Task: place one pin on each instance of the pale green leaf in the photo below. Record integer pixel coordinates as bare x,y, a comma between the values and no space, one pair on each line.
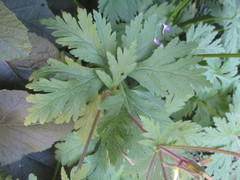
123,65
204,35
222,166
69,149
78,174
62,71
153,131
105,34
79,35
208,103
184,133
162,11
64,175
99,164
87,117
62,100
132,31
235,106
118,10
145,44
187,13
113,104
143,5
140,155
115,132
105,78
230,36
32,177
141,102
168,77
179,133
142,35
101,168
14,43
225,134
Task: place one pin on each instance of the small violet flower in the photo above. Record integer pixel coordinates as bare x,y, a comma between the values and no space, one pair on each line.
165,28
157,42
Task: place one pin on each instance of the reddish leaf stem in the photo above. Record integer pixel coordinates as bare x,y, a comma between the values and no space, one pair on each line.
172,154
137,123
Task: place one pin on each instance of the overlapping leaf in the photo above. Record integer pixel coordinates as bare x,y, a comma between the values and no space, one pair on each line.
115,133
163,10
163,75
16,139
87,117
118,10
75,173
141,102
13,36
69,149
231,11
181,132
204,36
105,34
120,67
85,39
142,35
226,136
62,100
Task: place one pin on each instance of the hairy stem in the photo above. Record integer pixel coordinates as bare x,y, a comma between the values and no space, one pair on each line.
83,155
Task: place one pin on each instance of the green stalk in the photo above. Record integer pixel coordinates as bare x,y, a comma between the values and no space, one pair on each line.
218,55
205,149
179,8
75,3
207,18
205,106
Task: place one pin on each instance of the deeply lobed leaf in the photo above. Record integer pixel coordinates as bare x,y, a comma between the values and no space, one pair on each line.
118,10
85,39
62,100
168,77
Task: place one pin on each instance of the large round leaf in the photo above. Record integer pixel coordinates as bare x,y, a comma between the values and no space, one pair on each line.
16,139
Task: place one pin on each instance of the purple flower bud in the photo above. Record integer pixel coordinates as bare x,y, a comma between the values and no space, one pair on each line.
165,28
157,42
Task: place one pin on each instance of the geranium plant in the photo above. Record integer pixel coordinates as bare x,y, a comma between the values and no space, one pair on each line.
151,87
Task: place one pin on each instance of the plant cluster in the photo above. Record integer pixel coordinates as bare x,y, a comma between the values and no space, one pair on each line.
145,77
